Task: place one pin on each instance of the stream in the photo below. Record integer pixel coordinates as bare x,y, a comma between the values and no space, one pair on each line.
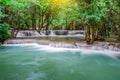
33,62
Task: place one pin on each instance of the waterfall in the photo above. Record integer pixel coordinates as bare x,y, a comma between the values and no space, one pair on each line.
79,45
54,33
27,33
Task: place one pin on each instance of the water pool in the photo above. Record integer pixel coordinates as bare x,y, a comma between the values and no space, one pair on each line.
32,63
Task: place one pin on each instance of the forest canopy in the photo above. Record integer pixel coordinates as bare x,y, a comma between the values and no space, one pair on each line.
98,18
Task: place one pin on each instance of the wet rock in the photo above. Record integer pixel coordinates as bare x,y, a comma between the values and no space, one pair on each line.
42,42
46,32
111,47
61,32
76,32
62,45
106,47
116,49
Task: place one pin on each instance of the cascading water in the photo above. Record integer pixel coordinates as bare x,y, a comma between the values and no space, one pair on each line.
28,33
55,33
109,49
39,59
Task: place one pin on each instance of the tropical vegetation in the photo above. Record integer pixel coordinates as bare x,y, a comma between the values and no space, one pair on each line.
98,18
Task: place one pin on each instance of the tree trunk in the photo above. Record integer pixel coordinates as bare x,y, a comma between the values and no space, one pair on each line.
42,22
90,35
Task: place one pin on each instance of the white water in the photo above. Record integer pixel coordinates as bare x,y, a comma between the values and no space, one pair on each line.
84,51
33,33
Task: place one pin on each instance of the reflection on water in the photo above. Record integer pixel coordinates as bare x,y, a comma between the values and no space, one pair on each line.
38,63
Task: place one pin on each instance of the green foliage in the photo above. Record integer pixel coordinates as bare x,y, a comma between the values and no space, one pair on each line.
61,14
4,32
1,14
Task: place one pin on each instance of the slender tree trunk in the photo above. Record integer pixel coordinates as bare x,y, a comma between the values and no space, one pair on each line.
90,35
66,22
42,22
87,34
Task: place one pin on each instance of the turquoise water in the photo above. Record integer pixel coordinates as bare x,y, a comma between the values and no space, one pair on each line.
32,63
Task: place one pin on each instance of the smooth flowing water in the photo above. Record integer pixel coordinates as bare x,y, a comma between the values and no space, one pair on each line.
37,63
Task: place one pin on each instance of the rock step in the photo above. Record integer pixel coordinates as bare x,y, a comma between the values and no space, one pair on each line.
83,45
